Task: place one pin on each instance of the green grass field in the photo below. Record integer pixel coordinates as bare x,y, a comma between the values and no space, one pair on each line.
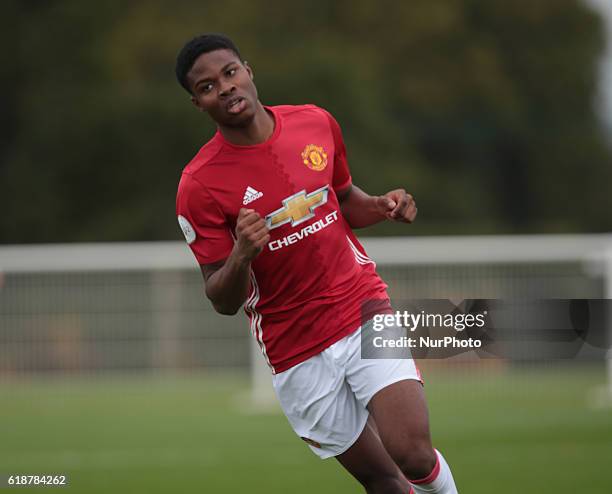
503,432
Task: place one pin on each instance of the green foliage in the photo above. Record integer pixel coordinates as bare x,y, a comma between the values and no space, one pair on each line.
483,110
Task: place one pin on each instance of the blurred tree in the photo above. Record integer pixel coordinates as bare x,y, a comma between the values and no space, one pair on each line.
484,110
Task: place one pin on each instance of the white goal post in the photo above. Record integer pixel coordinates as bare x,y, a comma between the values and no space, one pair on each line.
141,305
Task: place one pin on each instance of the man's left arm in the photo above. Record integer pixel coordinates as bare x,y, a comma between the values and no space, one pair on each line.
361,209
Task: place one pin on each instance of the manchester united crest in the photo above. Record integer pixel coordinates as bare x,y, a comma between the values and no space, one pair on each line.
314,157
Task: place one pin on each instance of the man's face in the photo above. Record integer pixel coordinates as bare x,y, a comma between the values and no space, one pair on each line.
222,86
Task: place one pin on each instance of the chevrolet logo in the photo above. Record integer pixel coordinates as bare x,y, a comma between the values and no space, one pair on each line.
297,208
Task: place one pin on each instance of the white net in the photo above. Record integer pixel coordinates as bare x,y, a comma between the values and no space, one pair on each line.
127,307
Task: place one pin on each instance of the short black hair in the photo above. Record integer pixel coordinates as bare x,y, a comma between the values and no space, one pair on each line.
194,48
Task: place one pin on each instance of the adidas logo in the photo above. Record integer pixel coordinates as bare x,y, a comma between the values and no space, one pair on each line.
250,195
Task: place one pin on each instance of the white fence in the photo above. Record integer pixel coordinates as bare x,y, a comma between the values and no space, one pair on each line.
141,306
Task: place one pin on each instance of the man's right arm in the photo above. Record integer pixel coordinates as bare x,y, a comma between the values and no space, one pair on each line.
227,282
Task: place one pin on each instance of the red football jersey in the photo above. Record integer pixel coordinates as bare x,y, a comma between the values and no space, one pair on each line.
309,282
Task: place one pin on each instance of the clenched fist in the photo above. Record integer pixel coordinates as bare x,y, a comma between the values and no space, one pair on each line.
251,232
397,205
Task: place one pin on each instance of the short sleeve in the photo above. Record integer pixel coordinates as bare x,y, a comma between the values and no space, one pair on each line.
342,176
202,222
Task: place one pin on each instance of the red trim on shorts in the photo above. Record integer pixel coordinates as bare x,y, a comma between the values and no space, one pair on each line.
419,375
411,490
432,476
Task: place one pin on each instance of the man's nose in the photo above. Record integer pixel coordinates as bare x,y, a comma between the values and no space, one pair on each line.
226,88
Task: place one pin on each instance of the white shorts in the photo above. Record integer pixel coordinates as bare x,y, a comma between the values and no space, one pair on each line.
325,397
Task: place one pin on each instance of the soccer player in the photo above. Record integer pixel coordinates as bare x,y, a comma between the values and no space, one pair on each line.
268,206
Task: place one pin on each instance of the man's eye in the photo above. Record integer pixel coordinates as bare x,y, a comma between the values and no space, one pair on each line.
206,88
231,72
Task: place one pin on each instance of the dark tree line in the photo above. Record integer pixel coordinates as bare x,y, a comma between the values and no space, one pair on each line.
484,110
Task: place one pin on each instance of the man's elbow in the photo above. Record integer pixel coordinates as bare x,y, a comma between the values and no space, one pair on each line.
225,310
222,308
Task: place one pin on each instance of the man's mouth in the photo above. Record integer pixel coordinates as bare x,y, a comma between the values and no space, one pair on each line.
236,105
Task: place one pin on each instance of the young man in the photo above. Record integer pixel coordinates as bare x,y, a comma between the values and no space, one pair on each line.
267,207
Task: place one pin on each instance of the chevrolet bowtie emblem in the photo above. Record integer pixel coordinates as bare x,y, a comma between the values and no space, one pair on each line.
297,208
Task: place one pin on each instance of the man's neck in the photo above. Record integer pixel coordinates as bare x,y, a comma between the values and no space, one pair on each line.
258,130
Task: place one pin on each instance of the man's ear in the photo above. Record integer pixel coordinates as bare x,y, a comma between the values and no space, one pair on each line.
248,68
195,103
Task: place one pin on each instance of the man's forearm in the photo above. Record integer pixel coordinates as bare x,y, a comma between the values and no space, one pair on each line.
228,287
361,209
227,282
